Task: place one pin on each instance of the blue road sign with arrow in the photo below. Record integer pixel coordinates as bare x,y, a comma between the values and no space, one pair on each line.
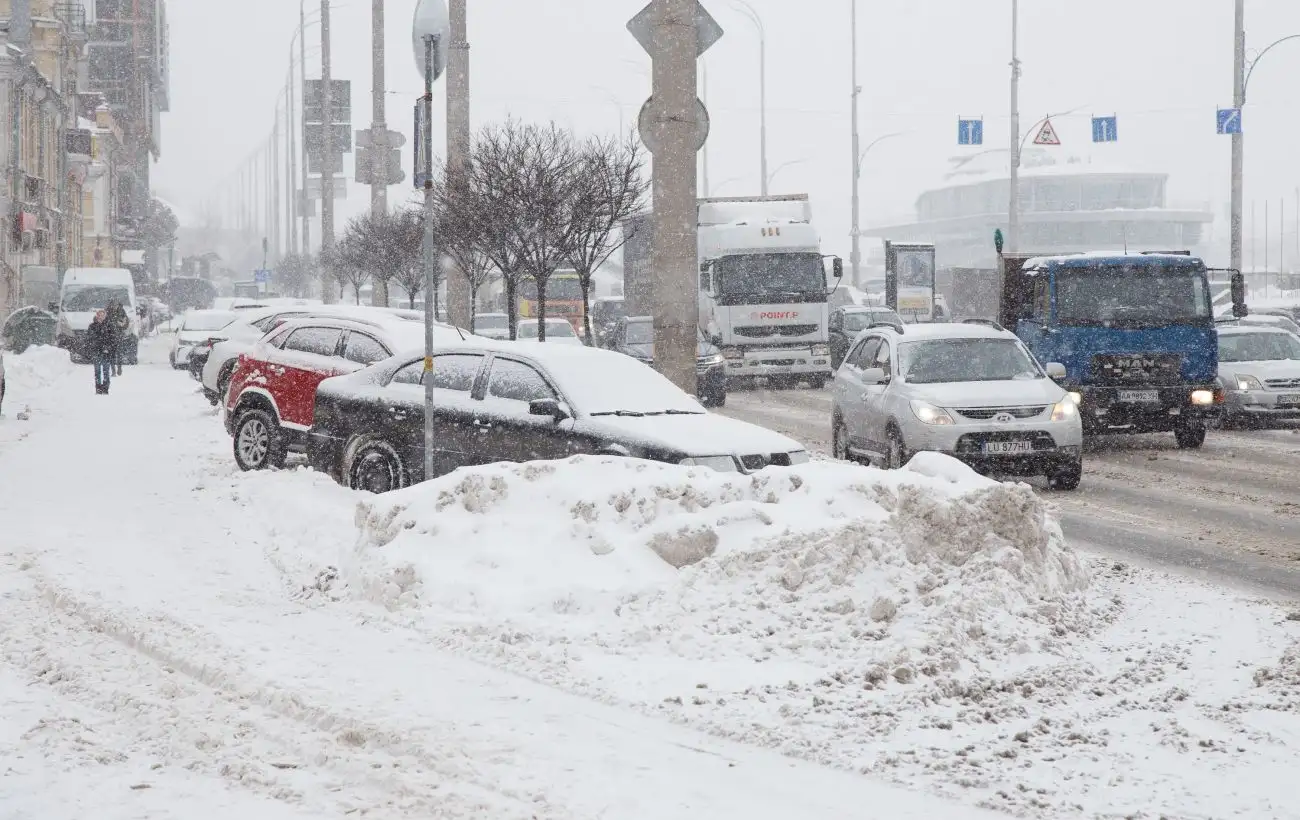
1229,121
1105,129
970,132
262,276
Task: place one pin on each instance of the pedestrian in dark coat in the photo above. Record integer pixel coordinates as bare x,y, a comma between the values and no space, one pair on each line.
122,328
101,348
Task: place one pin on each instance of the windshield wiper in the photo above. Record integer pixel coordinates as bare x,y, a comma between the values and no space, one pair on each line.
682,412
619,413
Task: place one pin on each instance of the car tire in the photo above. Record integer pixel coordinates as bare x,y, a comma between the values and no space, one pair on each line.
258,441
1190,435
223,380
897,455
373,465
840,439
1067,476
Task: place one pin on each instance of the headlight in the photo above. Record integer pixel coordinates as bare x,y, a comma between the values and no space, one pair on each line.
723,464
930,414
1202,397
1243,383
1065,409
821,350
709,361
1076,397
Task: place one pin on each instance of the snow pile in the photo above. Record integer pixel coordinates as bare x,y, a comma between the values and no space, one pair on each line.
788,575
36,368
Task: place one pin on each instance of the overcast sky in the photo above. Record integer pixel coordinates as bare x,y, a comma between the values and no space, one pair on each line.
1162,66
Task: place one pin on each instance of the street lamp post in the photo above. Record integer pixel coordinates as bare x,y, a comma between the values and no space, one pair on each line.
754,18
859,157
1013,204
855,255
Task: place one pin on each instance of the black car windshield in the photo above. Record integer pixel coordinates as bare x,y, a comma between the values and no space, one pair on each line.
771,274
640,333
83,298
966,360
1258,347
853,322
1131,295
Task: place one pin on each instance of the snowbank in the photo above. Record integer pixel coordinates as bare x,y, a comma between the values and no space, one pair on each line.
799,573
36,369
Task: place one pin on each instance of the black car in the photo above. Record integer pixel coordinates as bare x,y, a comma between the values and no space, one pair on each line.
635,335
847,322
496,401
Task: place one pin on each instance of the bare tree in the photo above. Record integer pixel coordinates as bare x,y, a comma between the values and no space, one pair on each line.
351,263
463,235
409,262
491,195
382,244
294,274
613,188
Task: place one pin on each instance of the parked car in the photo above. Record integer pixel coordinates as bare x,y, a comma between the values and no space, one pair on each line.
492,325
1259,368
497,401
1272,320
972,391
635,336
848,321
270,399
196,327
558,331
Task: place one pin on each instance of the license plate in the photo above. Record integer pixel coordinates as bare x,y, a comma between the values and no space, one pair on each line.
1008,448
1139,396
1289,400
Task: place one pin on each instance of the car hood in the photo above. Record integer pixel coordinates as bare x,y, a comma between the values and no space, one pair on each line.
700,434
1278,369
1013,393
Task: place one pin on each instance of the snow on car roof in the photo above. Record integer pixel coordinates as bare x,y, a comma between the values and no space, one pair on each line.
948,330
1256,327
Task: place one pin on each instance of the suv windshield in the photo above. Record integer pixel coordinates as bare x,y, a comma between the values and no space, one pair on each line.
773,273
853,322
966,360
1132,295
84,298
1258,347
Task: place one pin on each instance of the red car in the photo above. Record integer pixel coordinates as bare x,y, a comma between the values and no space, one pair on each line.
272,393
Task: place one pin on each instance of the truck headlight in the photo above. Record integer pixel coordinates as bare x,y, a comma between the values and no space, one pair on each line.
709,361
821,350
1243,383
930,414
1065,409
1202,398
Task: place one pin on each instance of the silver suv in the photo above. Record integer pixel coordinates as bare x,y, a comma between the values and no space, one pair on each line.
970,390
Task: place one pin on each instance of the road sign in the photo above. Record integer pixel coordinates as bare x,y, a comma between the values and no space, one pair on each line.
707,30
262,276
379,166
970,132
340,101
340,188
314,135
431,19
1229,121
648,125
315,165
1047,134
420,142
1105,129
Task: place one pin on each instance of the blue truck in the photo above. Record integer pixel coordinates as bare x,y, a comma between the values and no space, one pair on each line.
1135,332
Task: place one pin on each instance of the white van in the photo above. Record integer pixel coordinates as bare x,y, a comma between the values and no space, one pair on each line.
86,290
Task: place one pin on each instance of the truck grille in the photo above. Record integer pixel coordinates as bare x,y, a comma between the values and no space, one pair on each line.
1136,368
1282,384
983,413
767,331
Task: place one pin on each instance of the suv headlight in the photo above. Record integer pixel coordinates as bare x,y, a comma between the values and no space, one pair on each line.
1248,383
1065,409
821,350
709,361
930,414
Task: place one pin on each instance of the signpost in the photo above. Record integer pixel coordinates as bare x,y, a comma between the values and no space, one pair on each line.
1105,129
1047,134
970,132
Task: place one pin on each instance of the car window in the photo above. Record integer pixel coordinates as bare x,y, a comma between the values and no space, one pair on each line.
322,341
363,349
277,337
518,382
410,374
882,357
864,352
451,371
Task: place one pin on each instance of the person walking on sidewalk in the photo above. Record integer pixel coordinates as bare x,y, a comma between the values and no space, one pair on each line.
101,347
121,329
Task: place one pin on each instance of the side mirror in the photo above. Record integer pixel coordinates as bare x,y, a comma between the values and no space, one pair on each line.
875,375
1056,371
547,407
837,268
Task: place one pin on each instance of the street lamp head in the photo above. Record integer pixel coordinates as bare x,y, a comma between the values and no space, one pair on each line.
431,20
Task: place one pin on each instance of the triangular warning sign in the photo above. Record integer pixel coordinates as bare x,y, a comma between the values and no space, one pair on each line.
1047,135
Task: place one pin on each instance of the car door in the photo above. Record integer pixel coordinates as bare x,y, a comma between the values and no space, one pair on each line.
507,428
875,410
850,390
456,439
309,356
839,341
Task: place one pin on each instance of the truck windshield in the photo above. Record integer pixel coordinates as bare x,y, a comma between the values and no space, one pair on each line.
771,274
1131,295
85,298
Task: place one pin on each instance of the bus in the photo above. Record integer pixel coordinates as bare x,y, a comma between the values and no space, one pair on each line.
563,298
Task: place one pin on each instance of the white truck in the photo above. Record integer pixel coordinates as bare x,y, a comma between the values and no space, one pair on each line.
762,285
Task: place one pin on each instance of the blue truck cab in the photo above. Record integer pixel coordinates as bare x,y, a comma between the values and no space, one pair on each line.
1135,332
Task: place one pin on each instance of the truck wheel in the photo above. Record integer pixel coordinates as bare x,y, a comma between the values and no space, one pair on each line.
1067,476
1191,434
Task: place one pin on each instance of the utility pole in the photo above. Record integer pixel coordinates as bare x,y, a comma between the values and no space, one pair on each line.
458,145
327,157
1238,145
674,243
855,254
1013,204
276,224
431,59
762,89
304,203
378,152
290,171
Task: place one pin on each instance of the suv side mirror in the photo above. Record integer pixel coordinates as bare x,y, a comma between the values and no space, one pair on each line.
1056,371
547,407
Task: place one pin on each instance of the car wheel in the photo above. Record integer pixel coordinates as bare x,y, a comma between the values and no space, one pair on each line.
1067,476
374,466
840,440
258,442
223,380
897,455
1190,435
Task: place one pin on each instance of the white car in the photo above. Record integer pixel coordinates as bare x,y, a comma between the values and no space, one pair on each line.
195,327
492,325
558,331
1271,320
1259,368
970,390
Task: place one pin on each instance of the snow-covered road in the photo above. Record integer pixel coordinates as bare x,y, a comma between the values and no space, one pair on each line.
159,659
